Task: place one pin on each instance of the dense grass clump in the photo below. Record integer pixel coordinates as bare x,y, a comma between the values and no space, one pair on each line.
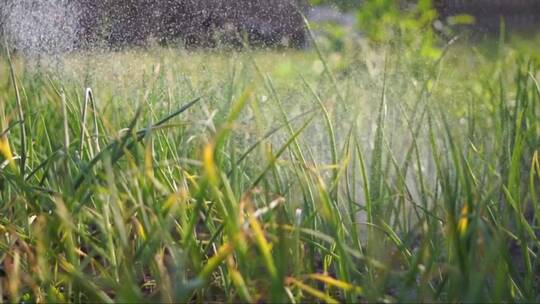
363,175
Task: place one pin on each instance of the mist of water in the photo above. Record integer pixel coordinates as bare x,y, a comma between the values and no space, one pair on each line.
37,27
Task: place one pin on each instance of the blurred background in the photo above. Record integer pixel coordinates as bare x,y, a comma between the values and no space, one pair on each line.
39,26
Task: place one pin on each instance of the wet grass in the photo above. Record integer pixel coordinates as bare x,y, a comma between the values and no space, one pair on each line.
364,175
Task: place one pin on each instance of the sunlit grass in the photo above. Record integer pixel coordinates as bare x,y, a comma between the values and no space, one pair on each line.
369,174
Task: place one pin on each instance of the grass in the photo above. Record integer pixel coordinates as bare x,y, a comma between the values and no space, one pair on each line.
298,176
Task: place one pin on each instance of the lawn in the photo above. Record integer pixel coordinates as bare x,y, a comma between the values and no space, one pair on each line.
368,173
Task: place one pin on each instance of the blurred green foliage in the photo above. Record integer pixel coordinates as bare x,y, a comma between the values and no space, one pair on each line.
402,23
408,23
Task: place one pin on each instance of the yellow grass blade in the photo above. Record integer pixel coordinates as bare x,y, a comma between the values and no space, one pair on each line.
312,291
336,283
238,281
222,253
149,159
5,151
464,220
140,229
209,164
264,246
